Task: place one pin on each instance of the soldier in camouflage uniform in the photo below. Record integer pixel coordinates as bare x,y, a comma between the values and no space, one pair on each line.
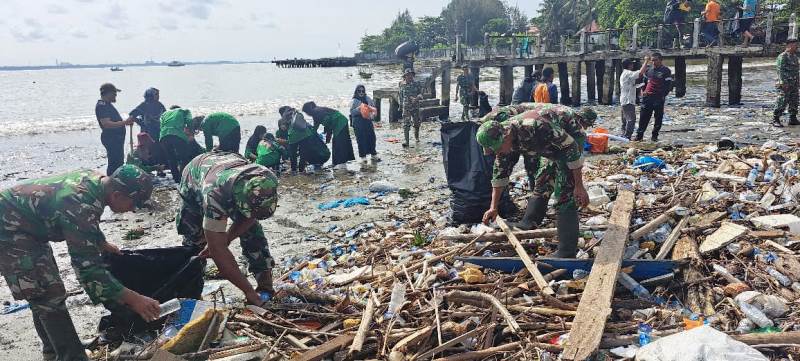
552,132
217,186
788,85
465,90
410,96
67,208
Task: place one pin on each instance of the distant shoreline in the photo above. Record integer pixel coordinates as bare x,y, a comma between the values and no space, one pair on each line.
135,65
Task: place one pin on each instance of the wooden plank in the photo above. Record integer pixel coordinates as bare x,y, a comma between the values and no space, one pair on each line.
320,352
595,305
363,327
727,233
654,224
673,237
452,342
537,276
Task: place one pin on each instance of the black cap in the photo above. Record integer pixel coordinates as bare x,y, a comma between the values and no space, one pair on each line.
108,87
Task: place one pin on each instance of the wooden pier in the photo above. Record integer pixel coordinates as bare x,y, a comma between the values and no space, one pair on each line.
315,63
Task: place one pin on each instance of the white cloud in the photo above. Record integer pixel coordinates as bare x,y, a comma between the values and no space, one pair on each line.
114,17
31,30
79,34
169,24
123,36
56,9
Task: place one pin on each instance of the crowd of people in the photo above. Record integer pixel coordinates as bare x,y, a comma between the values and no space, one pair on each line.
744,12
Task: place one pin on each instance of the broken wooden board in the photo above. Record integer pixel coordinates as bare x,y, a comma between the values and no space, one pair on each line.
666,247
723,177
523,254
320,352
726,233
595,305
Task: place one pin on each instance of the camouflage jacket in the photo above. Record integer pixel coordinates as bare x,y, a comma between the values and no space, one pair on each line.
65,208
788,69
465,83
409,91
211,182
548,130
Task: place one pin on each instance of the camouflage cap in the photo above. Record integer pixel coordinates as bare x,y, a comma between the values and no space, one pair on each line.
588,116
134,183
490,135
257,197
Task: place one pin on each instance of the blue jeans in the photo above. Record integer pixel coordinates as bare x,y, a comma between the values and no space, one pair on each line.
710,33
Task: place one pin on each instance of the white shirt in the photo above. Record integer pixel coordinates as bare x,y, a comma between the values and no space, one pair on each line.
627,85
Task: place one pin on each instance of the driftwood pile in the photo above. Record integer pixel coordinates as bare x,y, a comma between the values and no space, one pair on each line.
388,300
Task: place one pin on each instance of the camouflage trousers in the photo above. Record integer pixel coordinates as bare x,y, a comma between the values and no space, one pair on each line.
254,244
411,115
31,272
788,97
465,98
554,178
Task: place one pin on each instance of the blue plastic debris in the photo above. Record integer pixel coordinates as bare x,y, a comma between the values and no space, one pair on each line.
347,203
648,163
14,307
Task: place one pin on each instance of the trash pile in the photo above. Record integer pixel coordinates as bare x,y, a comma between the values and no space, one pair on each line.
684,251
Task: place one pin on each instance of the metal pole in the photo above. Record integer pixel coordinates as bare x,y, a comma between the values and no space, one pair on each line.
466,32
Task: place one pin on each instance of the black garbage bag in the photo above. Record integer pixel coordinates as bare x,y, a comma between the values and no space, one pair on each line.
159,273
469,174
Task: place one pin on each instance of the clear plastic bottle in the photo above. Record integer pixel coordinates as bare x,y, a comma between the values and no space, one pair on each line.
169,307
755,315
769,175
745,326
397,300
753,175
780,277
633,286
579,274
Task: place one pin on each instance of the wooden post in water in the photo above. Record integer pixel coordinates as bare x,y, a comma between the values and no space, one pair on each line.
506,84
590,79
696,33
734,80
680,77
486,49
617,75
768,30
538,51
714,80
563,44
608,91
446,79
600,71
576,84
563,82
476,74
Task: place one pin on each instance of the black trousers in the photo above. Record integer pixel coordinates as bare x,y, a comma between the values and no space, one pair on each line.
177,153
231,142
115,150
650,106
342,147
365,136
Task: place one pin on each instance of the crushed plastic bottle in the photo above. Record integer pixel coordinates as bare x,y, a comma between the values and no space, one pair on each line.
644,333
745,326
780,277
397,299
733,248
769,175
638,290
169,307
660,234
755,315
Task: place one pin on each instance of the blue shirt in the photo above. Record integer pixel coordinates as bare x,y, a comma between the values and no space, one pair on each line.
553,90
749,8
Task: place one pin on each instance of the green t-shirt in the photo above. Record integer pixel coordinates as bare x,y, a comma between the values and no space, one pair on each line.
269,154
219,124
333,123
173,122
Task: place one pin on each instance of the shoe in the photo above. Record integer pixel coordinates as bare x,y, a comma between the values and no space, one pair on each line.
567,231
375,158
793,119
654,139
638,138
776,122
534,214
406,134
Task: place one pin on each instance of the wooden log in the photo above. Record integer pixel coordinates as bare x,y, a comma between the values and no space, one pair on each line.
480,299
791,337
563,82
590,82
714,80
320,352
680,77
654,224
363,327
734,80
412,340
608,91
501,236
477,355
617,75
595,305
446,80
666,247
599,71
506,84
523,255
454,341
576,84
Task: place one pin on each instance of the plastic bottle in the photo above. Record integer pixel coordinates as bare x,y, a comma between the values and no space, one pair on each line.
397,300
753,175
169,307
755,315
644,333
769,175
633,286
745,326
780,277
579,274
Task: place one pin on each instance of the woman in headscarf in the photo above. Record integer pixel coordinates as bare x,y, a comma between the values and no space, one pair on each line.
148,115
363,127
335,125
302,140
252,143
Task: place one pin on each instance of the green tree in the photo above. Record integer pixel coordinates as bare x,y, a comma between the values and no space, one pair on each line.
478,12
430,32
496,26
518,21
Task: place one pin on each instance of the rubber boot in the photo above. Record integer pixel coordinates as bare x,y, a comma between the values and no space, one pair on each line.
416,134
534,214
56,328
406,132
567,224
264,281
793,119
776,121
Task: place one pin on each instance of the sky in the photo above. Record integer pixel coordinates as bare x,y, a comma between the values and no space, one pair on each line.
41,32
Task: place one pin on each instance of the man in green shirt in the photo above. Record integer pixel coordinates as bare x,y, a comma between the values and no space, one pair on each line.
175,124
67,208
226,128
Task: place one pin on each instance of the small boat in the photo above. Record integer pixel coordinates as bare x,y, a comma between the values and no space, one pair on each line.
116,68
364,71
175,63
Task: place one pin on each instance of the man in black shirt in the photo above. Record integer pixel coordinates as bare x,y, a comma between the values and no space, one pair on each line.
113,135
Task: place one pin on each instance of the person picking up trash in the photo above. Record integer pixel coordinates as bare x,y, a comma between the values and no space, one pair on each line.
550,132
67,208
220,185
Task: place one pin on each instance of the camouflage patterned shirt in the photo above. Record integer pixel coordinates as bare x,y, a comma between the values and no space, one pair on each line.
788,68
409,91
65,208
548,130
212,182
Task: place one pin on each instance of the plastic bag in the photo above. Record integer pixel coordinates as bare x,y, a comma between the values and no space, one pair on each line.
367,112
698,344
647,163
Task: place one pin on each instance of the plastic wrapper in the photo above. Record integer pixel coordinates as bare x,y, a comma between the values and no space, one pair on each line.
698,344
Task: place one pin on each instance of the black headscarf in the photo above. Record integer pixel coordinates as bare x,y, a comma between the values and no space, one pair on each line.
362,98
256,137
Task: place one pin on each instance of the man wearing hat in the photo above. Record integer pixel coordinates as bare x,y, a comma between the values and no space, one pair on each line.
67,208
410,96
552,132
113,135
217,186
788,84
465,90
